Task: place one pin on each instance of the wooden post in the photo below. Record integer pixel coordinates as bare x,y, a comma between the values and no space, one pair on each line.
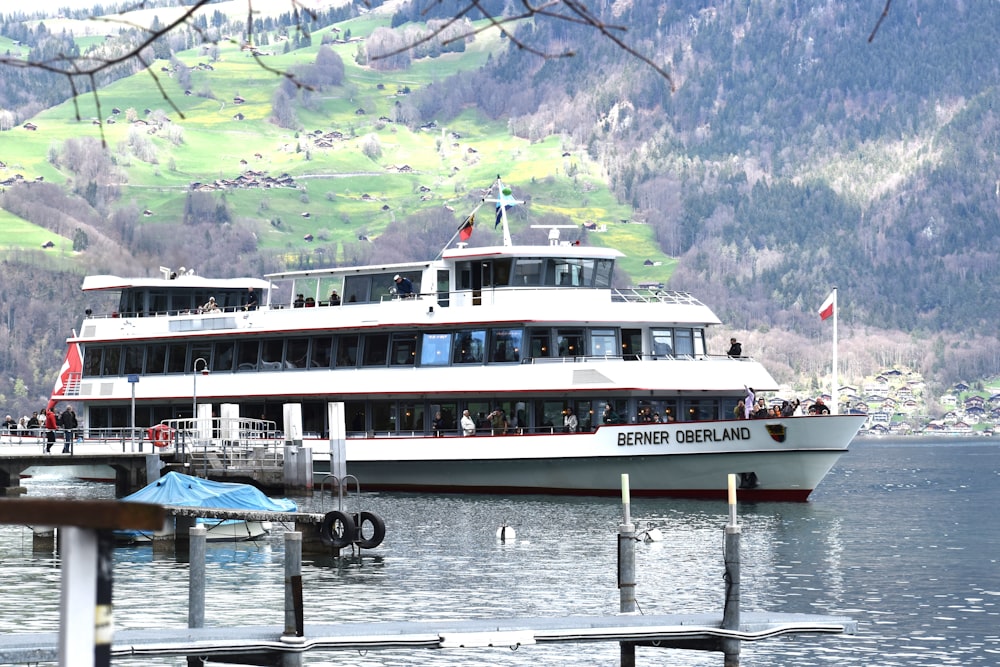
626,570
731,611
86,623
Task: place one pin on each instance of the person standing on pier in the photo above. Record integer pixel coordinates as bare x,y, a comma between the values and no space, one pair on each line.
51,425
69,423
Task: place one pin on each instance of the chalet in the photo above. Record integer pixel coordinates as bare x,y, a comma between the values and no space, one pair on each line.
258,156
960,387
948,399
239,116
974,402
366,197
308,237
116,111
385,207
567,154
31,127
238,100
48,244
187,92
424,188
243,163
147,213
359,112
307,214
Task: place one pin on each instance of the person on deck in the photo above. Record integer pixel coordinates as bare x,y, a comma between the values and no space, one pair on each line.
468,425
334,298
69,423
735,348
51,425
251,300
404,286
748,403
570,422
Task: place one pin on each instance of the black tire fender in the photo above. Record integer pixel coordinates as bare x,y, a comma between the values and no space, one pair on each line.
328,530
378,530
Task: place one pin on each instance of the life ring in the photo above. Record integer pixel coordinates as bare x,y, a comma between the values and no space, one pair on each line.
328,530
160,435
378,530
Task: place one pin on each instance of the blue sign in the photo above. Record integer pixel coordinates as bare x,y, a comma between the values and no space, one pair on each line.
133,378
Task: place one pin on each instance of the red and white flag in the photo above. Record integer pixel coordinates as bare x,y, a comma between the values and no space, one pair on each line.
826,310
70,373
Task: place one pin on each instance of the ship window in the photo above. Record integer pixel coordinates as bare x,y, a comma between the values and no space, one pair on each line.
603,343
506,345
501,271
569,342
411,417
699,342
297,352
156,358
347,351
549,416
663,342
157,302
404,350
435,349
701,409
92,361
443,288
200,351
133,359
356,289
112,361
540,343
527,272
222,360
321,348
683,342
355,416
247,353
469,347
602,277
383,417
376,350
271,353
177,358
632,344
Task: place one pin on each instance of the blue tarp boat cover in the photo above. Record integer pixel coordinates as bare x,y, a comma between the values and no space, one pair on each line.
182,490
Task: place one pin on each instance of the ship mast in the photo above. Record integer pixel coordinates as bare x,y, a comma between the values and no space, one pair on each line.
504,200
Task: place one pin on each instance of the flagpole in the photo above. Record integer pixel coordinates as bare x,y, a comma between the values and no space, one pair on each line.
459,230
835,408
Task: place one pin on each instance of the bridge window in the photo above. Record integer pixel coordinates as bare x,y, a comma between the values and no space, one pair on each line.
321,352
133,359
112,361
376,350
347,351
271,354
404,349
156,359
177,358
247,353
222,360
569,342
297,353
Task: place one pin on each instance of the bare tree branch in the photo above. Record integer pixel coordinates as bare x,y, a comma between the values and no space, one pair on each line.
885,12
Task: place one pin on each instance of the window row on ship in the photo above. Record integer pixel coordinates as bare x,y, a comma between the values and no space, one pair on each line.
378,417
492,345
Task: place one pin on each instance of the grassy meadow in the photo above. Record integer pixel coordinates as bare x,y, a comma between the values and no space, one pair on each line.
222,128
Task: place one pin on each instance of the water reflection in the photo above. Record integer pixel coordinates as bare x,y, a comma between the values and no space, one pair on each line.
897,537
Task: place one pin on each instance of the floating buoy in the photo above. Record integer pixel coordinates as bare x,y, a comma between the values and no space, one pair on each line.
505,533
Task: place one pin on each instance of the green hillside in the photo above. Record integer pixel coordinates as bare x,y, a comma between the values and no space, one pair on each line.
376,171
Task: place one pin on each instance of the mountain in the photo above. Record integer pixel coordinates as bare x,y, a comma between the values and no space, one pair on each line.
785,154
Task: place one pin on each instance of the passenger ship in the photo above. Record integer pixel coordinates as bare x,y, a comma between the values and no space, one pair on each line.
533,330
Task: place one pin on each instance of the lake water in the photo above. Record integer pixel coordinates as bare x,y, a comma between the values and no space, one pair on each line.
900,537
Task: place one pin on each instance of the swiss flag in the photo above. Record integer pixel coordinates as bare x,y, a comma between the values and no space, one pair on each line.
70,373
826,310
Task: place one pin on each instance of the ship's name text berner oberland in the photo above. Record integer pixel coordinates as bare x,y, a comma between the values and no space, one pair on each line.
683,435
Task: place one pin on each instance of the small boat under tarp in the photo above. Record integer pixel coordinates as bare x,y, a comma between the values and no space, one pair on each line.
179,490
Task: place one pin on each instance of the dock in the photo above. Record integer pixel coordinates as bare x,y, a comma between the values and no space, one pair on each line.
660,631
133,470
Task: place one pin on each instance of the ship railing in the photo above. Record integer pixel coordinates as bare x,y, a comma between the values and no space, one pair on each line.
223,442
646,295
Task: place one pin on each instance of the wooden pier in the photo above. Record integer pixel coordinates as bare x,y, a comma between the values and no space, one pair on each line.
133,470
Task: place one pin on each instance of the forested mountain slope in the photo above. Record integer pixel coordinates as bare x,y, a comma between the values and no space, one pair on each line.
785,155
794,155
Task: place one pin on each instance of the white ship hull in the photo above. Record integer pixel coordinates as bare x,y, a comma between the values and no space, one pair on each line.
781,459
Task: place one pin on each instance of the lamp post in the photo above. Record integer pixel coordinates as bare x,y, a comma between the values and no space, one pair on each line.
194,390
